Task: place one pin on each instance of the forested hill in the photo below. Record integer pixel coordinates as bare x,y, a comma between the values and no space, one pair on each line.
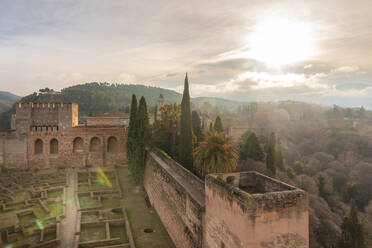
6,100
102,97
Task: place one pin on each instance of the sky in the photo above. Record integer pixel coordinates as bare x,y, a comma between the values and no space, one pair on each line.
247,50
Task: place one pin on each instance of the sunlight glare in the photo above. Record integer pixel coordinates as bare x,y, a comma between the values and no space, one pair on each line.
279,41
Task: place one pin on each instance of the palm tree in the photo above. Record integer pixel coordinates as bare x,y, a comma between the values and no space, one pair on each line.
214,155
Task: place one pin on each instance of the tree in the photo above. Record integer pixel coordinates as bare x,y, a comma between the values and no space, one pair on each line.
352,235
214,155
251,148
132,128
170,115
279,156
218,124
196,126
185,149
210,127
142,139
321,183
270,157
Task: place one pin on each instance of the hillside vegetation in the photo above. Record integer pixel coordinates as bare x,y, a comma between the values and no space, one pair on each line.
95,98
7,100
326,151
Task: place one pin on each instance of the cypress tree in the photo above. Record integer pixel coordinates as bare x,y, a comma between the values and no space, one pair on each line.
251,149
185,149
142,139
132,128
255,151
270,158
218,125
321,183
210,128
352,235
196,126
279,156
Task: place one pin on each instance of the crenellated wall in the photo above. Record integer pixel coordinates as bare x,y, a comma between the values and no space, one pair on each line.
272,215
31,116
178,197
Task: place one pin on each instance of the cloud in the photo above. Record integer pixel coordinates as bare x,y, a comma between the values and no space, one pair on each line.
171,74
346,69
59,43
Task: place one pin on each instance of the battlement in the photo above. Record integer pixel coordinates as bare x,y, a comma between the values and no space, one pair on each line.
255,203
37,106
36,116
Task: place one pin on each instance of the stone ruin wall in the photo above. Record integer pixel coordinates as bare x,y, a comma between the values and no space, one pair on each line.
236,219
217,214
14,149
55,127
89,154
178,198
19,151
107,121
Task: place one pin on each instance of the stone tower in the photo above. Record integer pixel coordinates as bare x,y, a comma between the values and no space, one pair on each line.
159,106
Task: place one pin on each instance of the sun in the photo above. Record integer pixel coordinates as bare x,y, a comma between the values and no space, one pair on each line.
279,41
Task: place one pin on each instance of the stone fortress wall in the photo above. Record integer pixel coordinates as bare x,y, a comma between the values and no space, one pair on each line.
233,210
178,197
48,135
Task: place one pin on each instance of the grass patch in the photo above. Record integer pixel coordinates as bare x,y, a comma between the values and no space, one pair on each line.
92,233
111,215
55,208
89,216
111,202
26,217
55,193
83,187
118,231
50,236
87,202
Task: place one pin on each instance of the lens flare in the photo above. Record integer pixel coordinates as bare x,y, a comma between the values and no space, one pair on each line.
39,225
103,179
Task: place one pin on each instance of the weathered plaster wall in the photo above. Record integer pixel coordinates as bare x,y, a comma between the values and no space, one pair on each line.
234,218
178,198
14,150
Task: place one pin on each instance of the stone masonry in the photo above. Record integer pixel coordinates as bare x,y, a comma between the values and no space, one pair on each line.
48,135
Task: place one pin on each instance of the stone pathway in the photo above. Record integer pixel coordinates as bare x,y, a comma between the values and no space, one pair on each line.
69,223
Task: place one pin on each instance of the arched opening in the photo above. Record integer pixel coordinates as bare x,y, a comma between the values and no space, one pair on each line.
38,146
112,145
95,144
78,145
54,146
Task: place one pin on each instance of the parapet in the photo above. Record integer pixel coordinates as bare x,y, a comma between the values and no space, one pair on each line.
249,209
24,106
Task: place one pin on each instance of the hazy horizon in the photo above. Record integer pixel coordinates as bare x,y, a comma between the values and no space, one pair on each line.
310,51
